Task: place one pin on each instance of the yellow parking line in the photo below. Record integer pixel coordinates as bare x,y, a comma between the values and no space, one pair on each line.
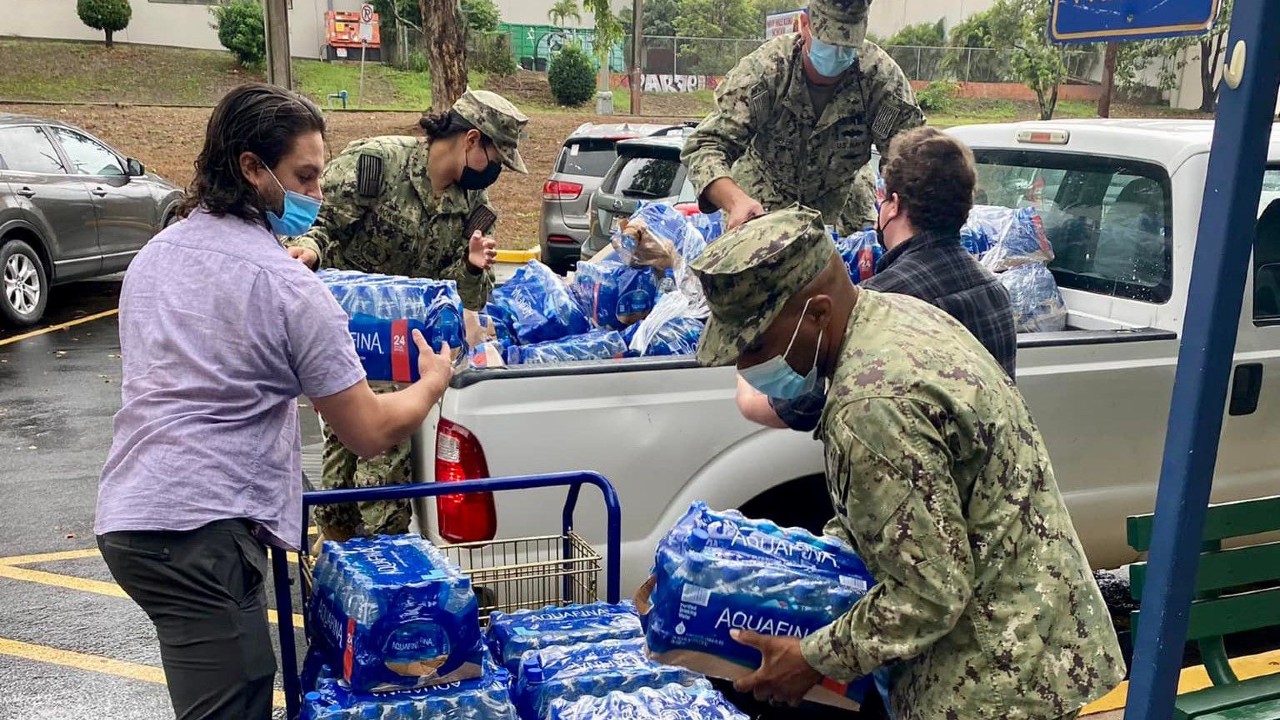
92,586
50,557
63,326
91,663
1192,679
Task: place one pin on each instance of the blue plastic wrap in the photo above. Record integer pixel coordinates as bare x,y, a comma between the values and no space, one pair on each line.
671,329
596,345
1015,236
710,225
716,572
668,228
483,698
394,613
511,635
537,305
385,309
1037,303
568,672
613,295
860,252
699,701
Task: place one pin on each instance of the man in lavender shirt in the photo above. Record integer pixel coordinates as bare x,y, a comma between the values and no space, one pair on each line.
221,330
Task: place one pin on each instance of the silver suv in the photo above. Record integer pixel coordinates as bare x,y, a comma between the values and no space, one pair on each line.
585,158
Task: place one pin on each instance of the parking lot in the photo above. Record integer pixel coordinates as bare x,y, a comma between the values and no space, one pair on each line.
72,644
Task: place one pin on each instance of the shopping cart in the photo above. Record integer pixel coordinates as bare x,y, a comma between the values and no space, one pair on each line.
508,574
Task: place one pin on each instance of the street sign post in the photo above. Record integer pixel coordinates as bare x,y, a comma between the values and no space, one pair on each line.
366,37
1091,21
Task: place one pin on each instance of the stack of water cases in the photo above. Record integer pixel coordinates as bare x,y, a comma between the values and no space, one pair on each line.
698,701
484,698
385,309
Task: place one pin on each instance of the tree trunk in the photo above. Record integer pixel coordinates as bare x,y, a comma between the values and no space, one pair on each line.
446,51
1108,80
1210,50
1053,103
110,41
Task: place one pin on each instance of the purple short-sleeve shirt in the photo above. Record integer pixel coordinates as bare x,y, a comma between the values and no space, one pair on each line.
220,332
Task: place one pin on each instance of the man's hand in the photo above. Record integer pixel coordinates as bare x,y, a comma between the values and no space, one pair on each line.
784,675
434,367
306,256
482,252
741,211
737,205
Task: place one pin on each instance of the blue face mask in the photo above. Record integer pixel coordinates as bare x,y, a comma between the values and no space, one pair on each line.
830,60
776,378
299,212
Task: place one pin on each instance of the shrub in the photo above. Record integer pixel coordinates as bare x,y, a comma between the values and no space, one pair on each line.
109,16
240,29
572,76
491,53
937,96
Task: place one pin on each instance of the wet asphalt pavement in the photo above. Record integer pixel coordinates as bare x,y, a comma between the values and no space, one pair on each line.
72,647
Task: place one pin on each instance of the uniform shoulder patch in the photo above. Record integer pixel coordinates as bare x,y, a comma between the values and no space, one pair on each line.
892,110
369,175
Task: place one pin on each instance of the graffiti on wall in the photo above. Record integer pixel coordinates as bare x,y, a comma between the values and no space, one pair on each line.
668,83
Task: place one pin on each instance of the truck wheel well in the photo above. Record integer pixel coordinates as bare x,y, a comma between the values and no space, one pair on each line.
802,502
32,239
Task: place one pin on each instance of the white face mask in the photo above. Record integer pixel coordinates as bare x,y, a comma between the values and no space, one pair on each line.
776,378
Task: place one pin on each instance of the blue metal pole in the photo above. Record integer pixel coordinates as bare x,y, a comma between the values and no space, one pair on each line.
1234,184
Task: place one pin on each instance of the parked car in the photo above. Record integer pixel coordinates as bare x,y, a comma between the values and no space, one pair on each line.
587,155
70,208
668,432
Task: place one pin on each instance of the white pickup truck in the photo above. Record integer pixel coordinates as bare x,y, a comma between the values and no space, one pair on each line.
1121,203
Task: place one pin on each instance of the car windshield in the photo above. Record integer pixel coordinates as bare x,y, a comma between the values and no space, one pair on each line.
650,178
1107,219
589,157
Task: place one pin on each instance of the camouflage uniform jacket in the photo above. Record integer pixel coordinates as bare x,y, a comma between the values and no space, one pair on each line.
380,215
764,135
986,607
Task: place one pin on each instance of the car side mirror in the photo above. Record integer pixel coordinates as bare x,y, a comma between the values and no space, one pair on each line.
135,168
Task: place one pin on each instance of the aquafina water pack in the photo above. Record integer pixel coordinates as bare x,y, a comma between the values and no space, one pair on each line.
511,635
699,701
595,345
394,613
537,306
484,698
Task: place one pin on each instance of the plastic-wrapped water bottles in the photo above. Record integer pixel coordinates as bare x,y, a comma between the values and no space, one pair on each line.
568,672
860,252
613,295
597,345
511,635
539,306
483,698
671,329
699,701
394,613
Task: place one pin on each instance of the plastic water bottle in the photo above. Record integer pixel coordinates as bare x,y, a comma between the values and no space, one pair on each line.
668,283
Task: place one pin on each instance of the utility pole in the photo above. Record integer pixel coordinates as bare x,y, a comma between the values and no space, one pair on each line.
276,17
637,54
1108,80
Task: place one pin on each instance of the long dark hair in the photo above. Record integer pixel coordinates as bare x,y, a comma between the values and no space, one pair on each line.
443,125
261,119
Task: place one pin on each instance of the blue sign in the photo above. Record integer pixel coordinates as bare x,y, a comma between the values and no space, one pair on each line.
1087,21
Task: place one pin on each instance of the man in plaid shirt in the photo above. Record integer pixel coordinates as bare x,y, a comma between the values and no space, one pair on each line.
928,175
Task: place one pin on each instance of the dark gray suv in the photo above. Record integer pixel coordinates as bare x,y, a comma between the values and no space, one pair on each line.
70,208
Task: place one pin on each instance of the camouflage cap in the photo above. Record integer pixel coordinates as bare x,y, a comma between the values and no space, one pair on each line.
839,22
499,120
749,275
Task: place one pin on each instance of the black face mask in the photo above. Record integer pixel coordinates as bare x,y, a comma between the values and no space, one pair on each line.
473,179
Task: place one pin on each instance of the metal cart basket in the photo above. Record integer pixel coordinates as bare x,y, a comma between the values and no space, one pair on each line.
508,574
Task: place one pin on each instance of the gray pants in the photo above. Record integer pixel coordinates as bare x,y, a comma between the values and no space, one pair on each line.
204,590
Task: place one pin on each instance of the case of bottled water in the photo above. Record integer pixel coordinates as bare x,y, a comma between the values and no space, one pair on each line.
394,613
715,572
568,672
699,701
484,698
596,345
613,295
385,309
536,304
511,635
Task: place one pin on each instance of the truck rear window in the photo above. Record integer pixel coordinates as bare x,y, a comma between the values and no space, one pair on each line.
1108,219
591,158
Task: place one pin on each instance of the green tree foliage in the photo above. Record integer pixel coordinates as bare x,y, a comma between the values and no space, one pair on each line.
659,18
718,19
562,10
1018,27
240,29
482,15
1169,57
921,35
572,76
962,62
109,16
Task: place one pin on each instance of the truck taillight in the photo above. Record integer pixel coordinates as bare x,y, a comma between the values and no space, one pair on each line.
560,190
688,208
463,518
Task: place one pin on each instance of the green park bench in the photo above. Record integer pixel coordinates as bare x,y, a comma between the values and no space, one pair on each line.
1228,601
